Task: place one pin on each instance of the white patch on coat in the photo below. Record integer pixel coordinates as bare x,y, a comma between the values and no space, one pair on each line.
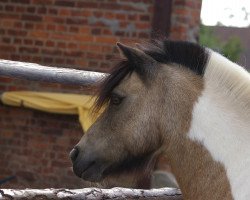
221,121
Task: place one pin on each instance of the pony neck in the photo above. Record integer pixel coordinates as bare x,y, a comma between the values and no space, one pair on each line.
198,175
217,158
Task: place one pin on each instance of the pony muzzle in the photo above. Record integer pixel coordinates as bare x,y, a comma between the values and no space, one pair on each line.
87,166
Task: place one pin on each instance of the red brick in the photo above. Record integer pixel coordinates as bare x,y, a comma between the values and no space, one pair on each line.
120,33
106,31
109,15
143,35
52,52
53,11
42,10
143,26
70,61
65,3
31,9
76,21
18,25
2,88
39,34
7,48
36,59
9,16
51,27
144,17
94,56
28,50
21,1
121,16
29,25
6,40
28,42
63,37
34,18
60,164
73,53
84,38
20,9
40,26
43,2
64,12
8,24
51,19
9,8
38,43
59,61
2,31
74,29
98,14
48,60
72,46
96,31
85,30
93,64
6,80
111,6
132,17
107,40
17,41
87,4
95,48
61,45
50,43
61,28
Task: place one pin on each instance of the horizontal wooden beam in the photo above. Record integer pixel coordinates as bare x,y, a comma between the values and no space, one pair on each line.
92,193
36,72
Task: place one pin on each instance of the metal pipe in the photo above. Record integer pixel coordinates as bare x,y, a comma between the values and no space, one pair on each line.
36,72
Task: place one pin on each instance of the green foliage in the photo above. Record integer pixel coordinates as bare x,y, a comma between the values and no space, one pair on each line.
231,49
208,39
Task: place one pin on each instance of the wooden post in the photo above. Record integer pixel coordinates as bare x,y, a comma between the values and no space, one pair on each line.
161,24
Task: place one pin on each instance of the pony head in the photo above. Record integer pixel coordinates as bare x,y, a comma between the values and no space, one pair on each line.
149,98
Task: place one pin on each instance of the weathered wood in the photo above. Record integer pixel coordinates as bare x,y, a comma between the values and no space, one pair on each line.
162,18
35,72
92,193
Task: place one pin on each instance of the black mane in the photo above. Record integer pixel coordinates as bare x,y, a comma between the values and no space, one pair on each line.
187,54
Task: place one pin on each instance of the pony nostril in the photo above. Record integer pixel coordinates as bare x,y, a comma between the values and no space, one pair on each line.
73,154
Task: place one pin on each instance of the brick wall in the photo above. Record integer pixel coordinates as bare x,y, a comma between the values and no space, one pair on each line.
75,33
185,20
82,34
34,147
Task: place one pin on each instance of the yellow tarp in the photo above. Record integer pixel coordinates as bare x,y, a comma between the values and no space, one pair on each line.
54,103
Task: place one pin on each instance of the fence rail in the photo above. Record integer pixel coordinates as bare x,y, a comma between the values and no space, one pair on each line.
92,193
36,72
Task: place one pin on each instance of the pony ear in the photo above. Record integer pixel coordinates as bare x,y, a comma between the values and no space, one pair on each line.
143,63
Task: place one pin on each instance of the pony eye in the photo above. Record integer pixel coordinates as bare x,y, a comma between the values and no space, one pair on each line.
116,99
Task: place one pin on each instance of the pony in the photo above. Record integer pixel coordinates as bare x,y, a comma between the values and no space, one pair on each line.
176,99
